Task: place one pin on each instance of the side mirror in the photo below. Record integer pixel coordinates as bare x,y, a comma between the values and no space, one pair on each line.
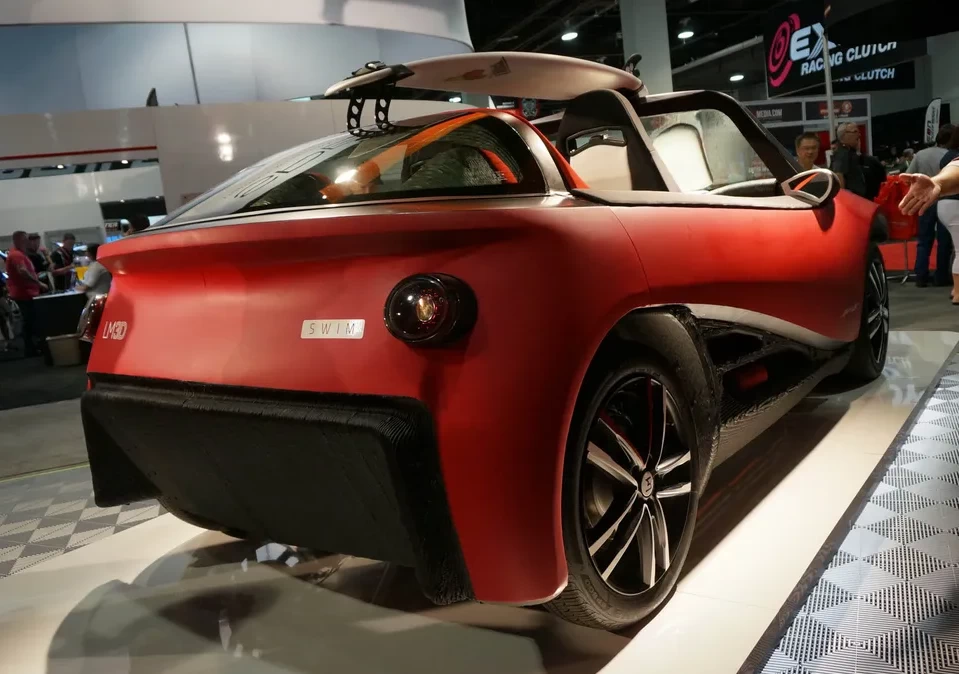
816,187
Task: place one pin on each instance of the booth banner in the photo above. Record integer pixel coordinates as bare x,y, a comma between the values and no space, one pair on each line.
901,76
777,112
932,120
794,46
843,108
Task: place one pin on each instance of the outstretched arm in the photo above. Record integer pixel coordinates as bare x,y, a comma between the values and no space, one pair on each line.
925,191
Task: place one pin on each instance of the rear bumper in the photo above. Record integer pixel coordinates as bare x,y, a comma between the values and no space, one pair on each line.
344,473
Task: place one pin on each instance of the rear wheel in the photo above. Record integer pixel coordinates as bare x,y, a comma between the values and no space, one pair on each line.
631,485
869,350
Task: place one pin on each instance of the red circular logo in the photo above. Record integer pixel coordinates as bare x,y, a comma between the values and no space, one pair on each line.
779,63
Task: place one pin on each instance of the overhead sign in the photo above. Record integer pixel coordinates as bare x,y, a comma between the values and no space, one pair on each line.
795,44
843,108
901,76
796,111
777,112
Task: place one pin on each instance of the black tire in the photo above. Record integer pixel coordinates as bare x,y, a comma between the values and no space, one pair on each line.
869,350
588,599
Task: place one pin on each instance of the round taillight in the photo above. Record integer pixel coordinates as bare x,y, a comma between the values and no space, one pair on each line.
430,309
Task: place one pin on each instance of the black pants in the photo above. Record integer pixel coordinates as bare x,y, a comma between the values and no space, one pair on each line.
6,325
29,316
930,229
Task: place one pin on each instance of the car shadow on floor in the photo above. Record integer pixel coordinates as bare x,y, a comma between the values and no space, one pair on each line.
234,607
738,485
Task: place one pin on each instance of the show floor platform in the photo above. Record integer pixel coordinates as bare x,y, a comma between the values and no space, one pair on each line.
164,596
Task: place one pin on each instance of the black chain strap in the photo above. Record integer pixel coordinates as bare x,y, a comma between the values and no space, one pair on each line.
381,113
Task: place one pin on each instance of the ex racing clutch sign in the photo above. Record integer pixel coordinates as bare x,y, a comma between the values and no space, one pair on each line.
795,48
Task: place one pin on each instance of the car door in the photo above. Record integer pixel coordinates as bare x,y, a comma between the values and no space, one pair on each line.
728,243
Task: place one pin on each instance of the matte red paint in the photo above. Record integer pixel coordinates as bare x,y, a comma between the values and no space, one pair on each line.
224,305
803,266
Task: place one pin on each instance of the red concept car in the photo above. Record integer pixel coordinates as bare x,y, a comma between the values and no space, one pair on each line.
505,354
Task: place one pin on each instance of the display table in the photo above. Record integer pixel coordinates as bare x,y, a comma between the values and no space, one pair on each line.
58,314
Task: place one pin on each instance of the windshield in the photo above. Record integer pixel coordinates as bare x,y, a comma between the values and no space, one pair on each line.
473,154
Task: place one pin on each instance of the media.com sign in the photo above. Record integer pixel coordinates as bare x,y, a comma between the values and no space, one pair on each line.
795,55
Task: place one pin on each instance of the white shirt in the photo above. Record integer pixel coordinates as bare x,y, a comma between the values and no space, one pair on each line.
97,279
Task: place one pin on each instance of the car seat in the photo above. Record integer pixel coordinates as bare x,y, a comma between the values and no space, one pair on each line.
620,161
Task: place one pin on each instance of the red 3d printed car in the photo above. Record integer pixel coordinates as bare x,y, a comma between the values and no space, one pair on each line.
505,354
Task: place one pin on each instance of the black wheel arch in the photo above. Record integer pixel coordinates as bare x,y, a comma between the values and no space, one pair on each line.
671,332
879,228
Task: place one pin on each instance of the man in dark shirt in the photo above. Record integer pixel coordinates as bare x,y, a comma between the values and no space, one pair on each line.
875,174
38,256
63,262
846,162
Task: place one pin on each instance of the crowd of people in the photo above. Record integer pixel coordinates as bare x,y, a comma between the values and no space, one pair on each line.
31,271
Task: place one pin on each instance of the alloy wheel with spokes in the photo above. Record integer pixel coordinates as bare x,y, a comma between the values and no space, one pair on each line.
868,355
876,307
636,485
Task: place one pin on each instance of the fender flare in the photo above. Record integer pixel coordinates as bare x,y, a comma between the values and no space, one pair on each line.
879,228
672,333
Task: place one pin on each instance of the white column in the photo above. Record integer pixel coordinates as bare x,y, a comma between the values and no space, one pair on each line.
646,32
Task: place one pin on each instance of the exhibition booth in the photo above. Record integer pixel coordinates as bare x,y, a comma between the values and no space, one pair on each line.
618,391
788,117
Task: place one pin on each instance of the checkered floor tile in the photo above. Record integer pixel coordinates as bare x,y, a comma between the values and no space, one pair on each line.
889,599
46,515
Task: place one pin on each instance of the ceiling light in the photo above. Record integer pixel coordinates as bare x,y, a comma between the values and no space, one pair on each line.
59,166
223,138
456,99
569,35
738,77
124,161
685,34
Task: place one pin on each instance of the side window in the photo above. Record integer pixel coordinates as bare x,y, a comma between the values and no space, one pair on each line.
703,150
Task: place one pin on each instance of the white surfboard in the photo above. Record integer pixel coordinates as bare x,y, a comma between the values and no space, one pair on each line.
512,74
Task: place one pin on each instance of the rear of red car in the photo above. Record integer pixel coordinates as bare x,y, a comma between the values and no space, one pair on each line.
369,346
